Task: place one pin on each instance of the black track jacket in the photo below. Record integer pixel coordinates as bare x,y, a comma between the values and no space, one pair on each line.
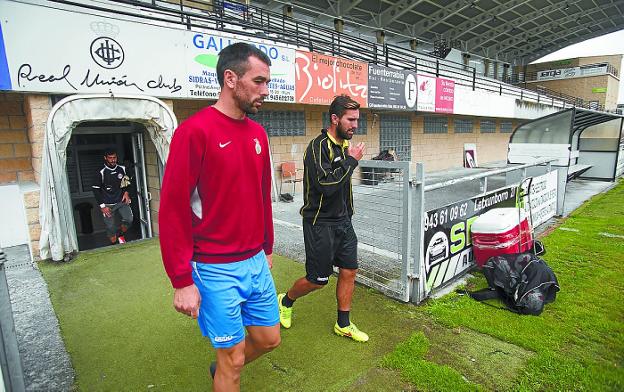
327,193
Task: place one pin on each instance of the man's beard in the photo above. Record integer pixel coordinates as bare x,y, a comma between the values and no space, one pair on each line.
342,132
245,106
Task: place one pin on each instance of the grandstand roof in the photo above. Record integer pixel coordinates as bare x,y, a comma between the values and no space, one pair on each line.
520,30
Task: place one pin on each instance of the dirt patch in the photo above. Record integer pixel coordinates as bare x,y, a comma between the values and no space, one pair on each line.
480,358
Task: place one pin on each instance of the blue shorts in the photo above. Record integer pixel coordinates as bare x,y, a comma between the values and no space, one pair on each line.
234,296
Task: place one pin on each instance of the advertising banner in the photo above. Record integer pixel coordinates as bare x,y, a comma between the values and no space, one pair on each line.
391,88
105,56
435,94
445,95
426,93
543,198
446,242
447,245
482,103
116,56
235,9
201,62
562,73
320,78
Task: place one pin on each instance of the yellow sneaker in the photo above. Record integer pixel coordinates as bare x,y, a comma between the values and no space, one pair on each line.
351,331
285,312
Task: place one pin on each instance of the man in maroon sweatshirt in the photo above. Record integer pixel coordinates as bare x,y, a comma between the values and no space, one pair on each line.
216,227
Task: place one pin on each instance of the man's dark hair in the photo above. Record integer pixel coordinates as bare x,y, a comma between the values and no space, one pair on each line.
235,57
341,104
110,151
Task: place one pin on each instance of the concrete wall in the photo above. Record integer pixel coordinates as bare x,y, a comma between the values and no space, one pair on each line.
613,91
22,131
31,205
582,88
153,180
38,109
426,146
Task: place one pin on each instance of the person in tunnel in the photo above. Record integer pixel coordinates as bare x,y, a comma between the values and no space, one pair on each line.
111,189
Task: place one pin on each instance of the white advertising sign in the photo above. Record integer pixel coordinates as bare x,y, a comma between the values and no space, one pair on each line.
543,198
562,73
426,93
57,51
86,53
483,103
202,56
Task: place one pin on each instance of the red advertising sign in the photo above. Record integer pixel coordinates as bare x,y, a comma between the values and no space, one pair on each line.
445,95
320,78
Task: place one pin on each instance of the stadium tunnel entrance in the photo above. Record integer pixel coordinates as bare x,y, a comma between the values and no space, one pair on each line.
77,128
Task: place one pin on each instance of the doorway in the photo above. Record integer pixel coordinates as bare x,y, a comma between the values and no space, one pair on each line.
85,152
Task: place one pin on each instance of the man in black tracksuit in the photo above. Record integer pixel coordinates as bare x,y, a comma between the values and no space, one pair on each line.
329,162
111,189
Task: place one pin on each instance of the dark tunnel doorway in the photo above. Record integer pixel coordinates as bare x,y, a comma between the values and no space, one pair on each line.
85,158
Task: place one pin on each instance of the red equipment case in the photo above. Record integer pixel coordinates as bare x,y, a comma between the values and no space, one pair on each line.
500,231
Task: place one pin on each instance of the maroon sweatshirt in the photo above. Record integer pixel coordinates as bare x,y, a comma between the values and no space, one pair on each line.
215,201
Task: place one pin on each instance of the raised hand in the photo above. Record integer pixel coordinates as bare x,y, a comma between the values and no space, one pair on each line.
357,151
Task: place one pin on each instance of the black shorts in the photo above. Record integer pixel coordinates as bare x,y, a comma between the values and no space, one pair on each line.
326,245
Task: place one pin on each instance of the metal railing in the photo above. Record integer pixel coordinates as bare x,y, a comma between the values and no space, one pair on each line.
12,377
256,22
547,96
382,222
392,202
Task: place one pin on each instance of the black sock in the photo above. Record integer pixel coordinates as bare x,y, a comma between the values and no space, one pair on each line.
343,318
287,302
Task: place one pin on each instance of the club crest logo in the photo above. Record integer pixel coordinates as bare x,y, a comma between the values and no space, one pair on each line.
107,53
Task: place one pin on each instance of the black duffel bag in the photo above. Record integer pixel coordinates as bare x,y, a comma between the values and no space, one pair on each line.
523,281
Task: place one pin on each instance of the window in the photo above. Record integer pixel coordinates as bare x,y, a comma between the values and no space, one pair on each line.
463,125
506,127
488,126
436,124
362,123
281,123
395,132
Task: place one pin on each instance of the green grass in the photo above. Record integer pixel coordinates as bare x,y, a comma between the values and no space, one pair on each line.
579,339
118,324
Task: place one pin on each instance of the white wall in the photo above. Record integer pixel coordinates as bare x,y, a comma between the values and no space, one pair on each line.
14,229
